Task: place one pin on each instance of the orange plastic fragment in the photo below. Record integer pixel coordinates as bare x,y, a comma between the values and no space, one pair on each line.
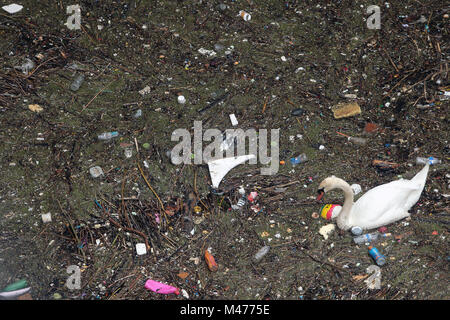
212,265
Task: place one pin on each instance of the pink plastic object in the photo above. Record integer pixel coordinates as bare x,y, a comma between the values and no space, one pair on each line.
252,196
162,288
382,229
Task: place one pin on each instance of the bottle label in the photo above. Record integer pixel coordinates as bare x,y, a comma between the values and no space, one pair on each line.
327,211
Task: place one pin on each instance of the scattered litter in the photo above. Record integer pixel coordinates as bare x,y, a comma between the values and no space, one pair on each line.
184,294
261,253
144,91
382,229
138,114
371,127
355,140
76,84
299,159
108,135
181,99
146,146
159,287
233,119
219,168
326,230
385,164
330,211
210,53
27,66
57,296
12,8
141,249
356,231
198,220
344,110
96,171
245,15
241,202
35,108
183,275
128,152
370,237
430,160
20,284
212,265
46,217
356,188
252,196
377,256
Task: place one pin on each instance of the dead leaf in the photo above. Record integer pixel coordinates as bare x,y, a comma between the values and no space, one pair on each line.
360,277
183,275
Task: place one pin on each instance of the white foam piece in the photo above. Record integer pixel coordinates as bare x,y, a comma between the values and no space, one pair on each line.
141,249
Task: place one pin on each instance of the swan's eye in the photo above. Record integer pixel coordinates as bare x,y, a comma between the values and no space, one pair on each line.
320,190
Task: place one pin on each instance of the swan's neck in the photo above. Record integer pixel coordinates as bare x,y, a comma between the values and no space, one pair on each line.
343,217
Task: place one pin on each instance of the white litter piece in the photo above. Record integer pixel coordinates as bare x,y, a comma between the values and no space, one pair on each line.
181,100
141,249
184,293
96,171
219,168
46,217
145,91
233,119
356,188
210,53
12,8
245,15
27,66
326,230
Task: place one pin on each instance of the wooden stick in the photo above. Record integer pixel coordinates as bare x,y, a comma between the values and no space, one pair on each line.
86,105
265,104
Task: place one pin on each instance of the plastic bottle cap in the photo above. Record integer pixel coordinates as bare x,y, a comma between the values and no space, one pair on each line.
356,230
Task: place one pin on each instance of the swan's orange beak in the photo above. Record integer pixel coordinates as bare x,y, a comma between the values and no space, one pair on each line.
320,192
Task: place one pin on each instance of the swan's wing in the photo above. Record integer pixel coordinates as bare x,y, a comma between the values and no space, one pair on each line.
390,198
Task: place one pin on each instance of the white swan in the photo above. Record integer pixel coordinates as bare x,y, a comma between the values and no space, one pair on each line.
381,205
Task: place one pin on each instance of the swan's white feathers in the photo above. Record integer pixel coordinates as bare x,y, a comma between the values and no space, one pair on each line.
385,203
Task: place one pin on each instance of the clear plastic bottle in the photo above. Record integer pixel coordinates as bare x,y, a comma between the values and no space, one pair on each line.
261,253
76,84
370,237
355,140
430,160
299,159
108,135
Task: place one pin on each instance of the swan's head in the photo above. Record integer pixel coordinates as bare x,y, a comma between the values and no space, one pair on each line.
326,185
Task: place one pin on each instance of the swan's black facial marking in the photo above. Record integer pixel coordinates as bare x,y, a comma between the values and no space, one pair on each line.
320,192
